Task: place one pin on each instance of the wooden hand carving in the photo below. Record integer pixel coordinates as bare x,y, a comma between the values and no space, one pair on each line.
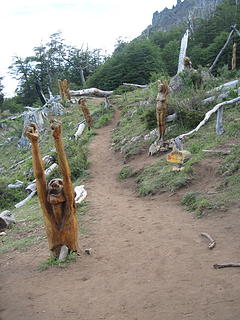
31,132
56,127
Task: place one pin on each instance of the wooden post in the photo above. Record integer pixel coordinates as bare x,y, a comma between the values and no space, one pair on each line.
60,89
234,56
219,122
161,108
64,89
57,197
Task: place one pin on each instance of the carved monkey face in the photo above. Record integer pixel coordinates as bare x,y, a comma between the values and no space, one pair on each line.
55,186
55,191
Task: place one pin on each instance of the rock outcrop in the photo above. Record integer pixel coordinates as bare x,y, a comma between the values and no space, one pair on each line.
168,18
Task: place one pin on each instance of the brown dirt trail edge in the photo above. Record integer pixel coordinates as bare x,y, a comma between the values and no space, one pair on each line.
148,263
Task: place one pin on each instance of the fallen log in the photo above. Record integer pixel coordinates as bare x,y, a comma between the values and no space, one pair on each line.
208,115
22,203
80,193
225,87
226,265
90,92
141,86
6,219
15,185
212,242
80,130
32,188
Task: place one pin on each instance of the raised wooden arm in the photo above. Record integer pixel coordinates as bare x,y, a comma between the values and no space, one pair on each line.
56,127
32,133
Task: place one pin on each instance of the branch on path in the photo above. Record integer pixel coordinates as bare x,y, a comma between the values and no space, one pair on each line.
212,242
226,152
226,265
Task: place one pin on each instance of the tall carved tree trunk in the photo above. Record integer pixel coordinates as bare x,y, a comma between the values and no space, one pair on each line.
161,108
64,89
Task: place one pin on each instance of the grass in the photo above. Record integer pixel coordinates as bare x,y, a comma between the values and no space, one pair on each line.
159,177
197,203
53,262
126,172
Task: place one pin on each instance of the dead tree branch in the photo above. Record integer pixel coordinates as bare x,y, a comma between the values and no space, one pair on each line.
221,51
208,115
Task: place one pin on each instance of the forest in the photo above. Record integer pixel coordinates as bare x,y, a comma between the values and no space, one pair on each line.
141,61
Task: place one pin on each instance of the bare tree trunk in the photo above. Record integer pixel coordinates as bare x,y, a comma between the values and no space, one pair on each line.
183,50
221,51
82,76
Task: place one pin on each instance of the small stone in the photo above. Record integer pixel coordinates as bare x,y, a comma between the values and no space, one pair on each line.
63,253
88,251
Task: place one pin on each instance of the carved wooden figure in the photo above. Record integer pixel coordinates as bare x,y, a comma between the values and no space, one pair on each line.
161,108
56,197
64,89
86,113
187,63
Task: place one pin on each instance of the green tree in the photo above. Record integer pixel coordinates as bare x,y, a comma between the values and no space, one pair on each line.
134,63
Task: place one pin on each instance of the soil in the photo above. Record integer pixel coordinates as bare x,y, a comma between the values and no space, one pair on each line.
148,259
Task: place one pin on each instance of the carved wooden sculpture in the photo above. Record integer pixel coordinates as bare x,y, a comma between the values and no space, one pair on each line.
64,89
187,63
86,113
56,197
161,108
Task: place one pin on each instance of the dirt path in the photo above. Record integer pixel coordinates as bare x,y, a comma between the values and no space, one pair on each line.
148,261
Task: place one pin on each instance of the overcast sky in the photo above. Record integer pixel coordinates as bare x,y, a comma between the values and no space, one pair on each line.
96,23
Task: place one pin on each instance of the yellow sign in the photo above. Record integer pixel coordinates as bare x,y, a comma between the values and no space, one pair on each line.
175,157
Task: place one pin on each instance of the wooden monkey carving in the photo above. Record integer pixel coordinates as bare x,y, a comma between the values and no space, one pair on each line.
86,113
161,108
56,197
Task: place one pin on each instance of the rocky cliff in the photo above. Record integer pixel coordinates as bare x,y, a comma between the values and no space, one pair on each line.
168,18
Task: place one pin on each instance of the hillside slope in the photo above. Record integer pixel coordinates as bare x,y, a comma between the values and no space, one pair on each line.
147,252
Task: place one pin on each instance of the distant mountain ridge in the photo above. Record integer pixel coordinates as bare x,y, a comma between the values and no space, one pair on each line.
168,18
